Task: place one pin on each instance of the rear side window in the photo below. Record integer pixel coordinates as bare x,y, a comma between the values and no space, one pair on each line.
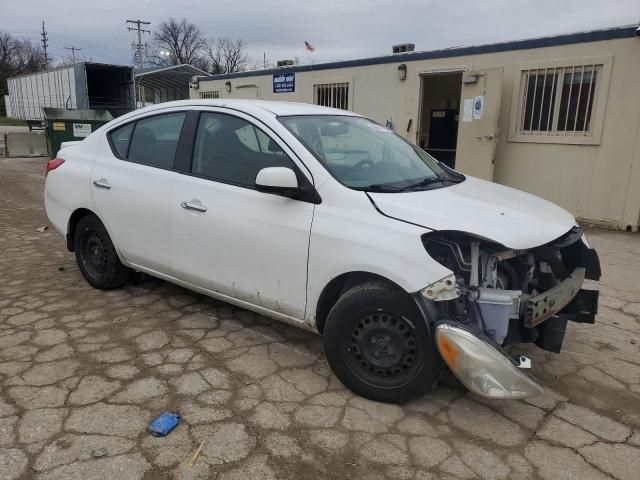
155,140
120,139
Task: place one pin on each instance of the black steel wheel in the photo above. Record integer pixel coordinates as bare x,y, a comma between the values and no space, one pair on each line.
96,256
379,345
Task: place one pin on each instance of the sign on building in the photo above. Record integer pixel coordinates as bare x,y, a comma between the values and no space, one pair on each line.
284,82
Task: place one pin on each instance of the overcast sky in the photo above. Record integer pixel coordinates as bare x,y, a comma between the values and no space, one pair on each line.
339,29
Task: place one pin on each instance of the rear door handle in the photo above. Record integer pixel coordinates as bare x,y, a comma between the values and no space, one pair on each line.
193,206
102,183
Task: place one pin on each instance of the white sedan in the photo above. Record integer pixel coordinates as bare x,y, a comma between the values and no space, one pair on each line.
328,221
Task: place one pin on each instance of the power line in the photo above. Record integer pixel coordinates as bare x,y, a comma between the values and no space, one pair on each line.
73,53
140,31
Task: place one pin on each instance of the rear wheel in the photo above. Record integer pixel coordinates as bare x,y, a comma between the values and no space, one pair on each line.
96,255
378,344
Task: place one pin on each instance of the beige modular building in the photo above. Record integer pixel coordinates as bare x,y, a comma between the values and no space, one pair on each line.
556,116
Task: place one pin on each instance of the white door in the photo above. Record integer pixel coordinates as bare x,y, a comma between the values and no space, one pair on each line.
227,236
132,181
478,125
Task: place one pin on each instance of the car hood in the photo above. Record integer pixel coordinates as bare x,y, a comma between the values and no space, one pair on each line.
505,215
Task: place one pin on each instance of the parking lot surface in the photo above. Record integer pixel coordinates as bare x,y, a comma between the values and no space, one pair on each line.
82,372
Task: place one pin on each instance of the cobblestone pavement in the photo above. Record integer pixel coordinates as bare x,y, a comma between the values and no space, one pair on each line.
82,372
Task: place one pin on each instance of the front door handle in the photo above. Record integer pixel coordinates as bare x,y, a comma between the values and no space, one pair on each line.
102,183
193,206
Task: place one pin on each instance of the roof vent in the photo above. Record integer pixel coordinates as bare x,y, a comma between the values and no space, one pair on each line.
285,63
404,48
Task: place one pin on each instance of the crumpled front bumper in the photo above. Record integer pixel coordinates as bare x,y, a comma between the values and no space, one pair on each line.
482,366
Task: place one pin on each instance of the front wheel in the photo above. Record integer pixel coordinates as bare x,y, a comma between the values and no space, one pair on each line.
96,255
379,345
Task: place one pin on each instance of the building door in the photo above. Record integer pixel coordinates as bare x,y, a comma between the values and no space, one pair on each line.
478,127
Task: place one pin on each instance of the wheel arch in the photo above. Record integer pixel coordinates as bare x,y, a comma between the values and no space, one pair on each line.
337,286
75,217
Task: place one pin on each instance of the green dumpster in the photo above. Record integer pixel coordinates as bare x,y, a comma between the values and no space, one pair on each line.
71,125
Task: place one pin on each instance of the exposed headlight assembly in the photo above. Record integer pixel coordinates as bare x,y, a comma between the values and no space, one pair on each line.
481,367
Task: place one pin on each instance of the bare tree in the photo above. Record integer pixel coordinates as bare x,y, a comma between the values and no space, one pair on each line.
182,39
17,57
227,55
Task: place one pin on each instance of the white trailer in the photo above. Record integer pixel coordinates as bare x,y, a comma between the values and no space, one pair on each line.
83,86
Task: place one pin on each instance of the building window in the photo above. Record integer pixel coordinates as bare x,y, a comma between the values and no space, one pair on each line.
558,101
335,95
210,94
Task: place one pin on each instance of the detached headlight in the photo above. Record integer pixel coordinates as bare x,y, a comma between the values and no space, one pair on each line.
482,368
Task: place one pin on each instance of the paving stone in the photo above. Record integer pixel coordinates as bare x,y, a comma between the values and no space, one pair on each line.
141,390
282,445
278,389
557,431
216,378
550,461
13,463
428,452
483,462
190,384
456,467
416,426
305,381
38,397
480,421
195,414
317,416
226,442
113,355
379,451
329,439
122,372
6,409
134,465
268,415
152,340
74,448
356,419
7,431
91,389
50,372
104,419
60,351
51,336
216,345
255,366
40,424
592,422
620,461
255,468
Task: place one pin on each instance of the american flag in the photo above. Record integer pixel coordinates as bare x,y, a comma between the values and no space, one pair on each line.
309,47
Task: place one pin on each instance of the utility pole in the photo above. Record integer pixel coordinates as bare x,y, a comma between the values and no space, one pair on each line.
138,28
73,52
44,41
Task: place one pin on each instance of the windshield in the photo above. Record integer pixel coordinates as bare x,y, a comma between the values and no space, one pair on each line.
367,156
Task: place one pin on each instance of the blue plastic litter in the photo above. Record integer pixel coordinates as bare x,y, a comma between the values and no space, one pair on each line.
162,425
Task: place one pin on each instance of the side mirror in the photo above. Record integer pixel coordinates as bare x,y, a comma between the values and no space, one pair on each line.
281,180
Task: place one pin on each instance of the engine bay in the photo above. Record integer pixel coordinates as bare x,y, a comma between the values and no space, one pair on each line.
515,296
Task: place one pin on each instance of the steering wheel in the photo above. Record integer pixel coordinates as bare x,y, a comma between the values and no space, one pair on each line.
362,163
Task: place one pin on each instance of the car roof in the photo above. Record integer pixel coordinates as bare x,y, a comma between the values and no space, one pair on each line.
254,106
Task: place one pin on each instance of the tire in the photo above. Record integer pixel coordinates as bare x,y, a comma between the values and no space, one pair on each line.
379,345
96,256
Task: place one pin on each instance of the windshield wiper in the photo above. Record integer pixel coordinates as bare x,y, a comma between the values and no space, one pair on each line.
424,182
379,187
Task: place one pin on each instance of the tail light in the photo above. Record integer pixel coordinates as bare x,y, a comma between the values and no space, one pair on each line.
53,164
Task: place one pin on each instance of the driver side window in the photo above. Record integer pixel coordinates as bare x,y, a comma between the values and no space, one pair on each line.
232,150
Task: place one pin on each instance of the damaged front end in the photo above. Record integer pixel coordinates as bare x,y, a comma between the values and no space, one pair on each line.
497,296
